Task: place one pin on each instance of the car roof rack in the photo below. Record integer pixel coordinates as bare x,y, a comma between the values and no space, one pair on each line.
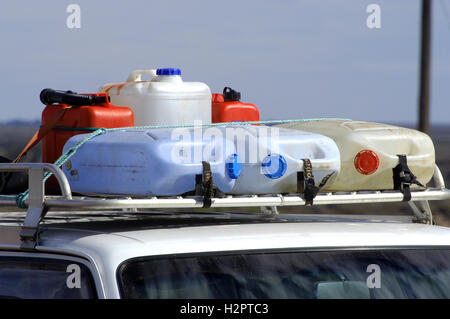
38,203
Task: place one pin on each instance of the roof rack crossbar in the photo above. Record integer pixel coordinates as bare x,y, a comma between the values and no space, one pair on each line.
270,200
247,201
38,203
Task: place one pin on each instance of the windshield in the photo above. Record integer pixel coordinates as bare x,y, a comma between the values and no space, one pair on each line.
414,273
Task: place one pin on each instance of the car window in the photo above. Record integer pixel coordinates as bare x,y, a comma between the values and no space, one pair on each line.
415,273
42,278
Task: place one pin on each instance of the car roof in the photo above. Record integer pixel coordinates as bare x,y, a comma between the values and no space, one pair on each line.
109,240
121,235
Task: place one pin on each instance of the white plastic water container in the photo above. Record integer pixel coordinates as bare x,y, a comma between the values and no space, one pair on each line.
146,162
369,152
269,158
164,100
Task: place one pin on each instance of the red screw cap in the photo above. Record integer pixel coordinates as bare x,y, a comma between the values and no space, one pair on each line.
366,162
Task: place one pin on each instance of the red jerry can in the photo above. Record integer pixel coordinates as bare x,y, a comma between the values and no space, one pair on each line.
227,107
78,119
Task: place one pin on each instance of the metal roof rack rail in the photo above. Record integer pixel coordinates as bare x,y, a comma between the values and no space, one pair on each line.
38,203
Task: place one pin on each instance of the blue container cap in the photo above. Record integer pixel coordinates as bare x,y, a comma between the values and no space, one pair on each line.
274,166
234,168
168,71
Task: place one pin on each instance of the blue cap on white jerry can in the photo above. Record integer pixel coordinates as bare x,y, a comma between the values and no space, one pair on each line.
274,166
233,167
168,71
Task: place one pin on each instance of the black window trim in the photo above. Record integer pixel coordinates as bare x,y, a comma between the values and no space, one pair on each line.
123,264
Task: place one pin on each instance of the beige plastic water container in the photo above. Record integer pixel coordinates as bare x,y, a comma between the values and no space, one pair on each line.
165,100
369,152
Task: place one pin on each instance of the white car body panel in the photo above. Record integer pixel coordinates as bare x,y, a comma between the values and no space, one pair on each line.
108,250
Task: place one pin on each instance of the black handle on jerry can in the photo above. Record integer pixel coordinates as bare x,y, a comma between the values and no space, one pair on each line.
49,96
231,95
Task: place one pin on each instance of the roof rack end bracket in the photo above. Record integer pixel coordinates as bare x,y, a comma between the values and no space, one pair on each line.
36,208
438,178
269,210
422,212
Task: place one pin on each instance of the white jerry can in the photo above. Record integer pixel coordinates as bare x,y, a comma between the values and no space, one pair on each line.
268,159
370,151
146,162
164,100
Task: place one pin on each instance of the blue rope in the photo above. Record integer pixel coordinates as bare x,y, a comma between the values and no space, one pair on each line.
21,198
91,129
226,124
82,129
8,197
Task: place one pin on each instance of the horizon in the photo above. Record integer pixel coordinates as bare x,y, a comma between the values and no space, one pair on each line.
404,124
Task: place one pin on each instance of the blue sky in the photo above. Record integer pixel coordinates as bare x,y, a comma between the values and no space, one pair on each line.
291,58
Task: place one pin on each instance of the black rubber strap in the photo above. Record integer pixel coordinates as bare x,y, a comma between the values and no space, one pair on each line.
208,190
198,185
306,183
310,184
325,180
403,178
205,187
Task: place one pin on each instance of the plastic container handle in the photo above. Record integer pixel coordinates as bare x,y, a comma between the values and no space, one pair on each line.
49,96
135,76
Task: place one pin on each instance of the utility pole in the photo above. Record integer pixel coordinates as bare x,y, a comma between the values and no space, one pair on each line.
425,68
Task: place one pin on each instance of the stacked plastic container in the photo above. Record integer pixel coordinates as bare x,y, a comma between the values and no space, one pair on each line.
164,100
147,162
244,160
270,158
228,107
78,120
369,152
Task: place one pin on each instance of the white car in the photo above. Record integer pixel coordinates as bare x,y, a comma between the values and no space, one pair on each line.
147,253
